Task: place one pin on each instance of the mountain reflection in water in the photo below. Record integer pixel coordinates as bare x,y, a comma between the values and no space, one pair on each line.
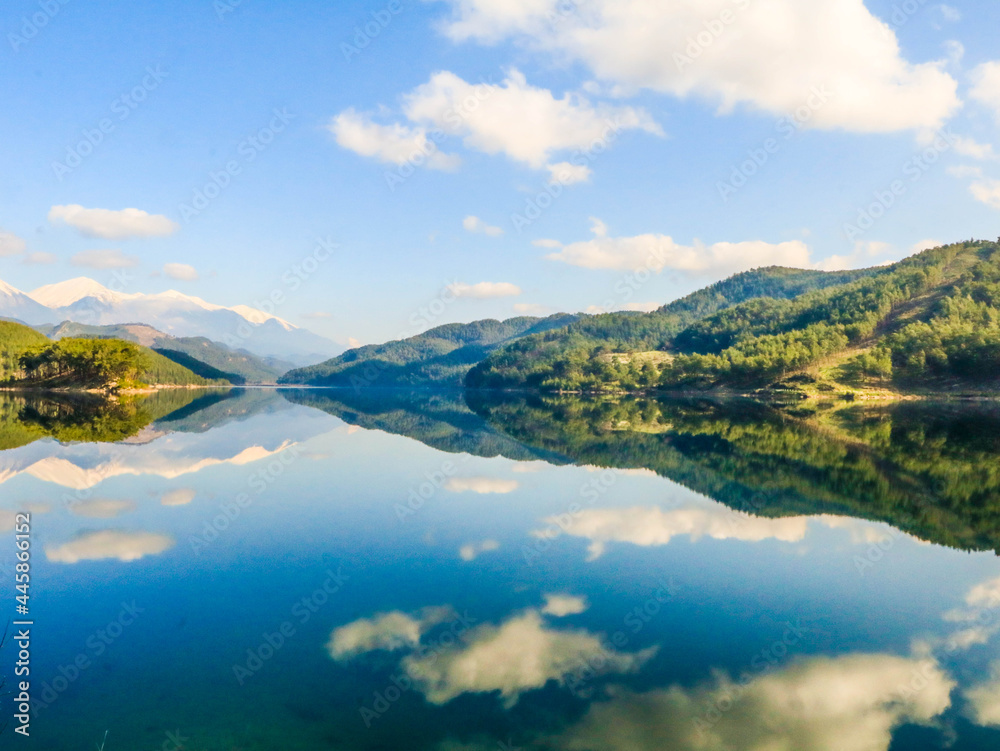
331,569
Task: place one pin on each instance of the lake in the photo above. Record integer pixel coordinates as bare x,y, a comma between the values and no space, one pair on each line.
329,569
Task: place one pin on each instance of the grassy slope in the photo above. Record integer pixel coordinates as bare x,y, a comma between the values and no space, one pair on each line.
163,371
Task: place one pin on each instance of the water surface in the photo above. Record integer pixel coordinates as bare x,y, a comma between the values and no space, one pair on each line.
322,569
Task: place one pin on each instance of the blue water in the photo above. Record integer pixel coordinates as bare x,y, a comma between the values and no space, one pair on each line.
262,578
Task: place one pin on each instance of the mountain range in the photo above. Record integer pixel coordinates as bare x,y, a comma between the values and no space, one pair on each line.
240,327
929,323
440,356
204,357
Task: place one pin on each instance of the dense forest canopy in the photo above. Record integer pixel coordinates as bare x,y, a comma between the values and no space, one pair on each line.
28,358
211,360
929,318
930,322
440,356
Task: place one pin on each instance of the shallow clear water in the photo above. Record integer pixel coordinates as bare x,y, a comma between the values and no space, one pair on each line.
327,570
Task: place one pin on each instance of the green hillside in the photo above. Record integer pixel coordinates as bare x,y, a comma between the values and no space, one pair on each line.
209,359
441,356
929,322
28,358
163,371
15,340
577,356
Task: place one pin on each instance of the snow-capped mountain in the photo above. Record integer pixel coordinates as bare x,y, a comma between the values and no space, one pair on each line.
16,304
66,293
85,301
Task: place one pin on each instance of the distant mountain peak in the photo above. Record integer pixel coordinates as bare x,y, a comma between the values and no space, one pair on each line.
259,316
6,289
61,294
86,301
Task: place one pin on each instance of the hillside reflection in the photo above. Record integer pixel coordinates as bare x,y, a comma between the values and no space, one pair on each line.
930,470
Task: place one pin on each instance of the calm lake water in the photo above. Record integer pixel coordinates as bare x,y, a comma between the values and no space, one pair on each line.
321,569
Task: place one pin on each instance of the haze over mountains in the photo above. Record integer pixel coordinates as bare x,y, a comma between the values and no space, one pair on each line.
86,301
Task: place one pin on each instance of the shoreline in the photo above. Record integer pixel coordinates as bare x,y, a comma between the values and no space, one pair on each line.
107,392
760,396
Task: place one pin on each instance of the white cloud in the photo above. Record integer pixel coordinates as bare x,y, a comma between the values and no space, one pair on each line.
986,86
563,605
964,170
104,259
966,638
569,174
10,244
980,600
863,254
954,15
388,631
178,497
596,310
484,290
527,124
550,244
973,149
112,225
7,518
109,543
532,309
923,245
650,526
985,594
528,468
481,485
819,704
955,51
477,226
319,315
103,508
180,271
658,252
984,700
861,532
768,56
516,656
986,191
396,144
642,307
39,258
471,551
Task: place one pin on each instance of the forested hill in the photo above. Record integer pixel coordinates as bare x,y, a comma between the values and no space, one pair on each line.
29,358
931,321
440,356
576,356
208,359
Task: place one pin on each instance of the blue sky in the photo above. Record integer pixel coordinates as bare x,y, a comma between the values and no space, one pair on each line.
639,216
